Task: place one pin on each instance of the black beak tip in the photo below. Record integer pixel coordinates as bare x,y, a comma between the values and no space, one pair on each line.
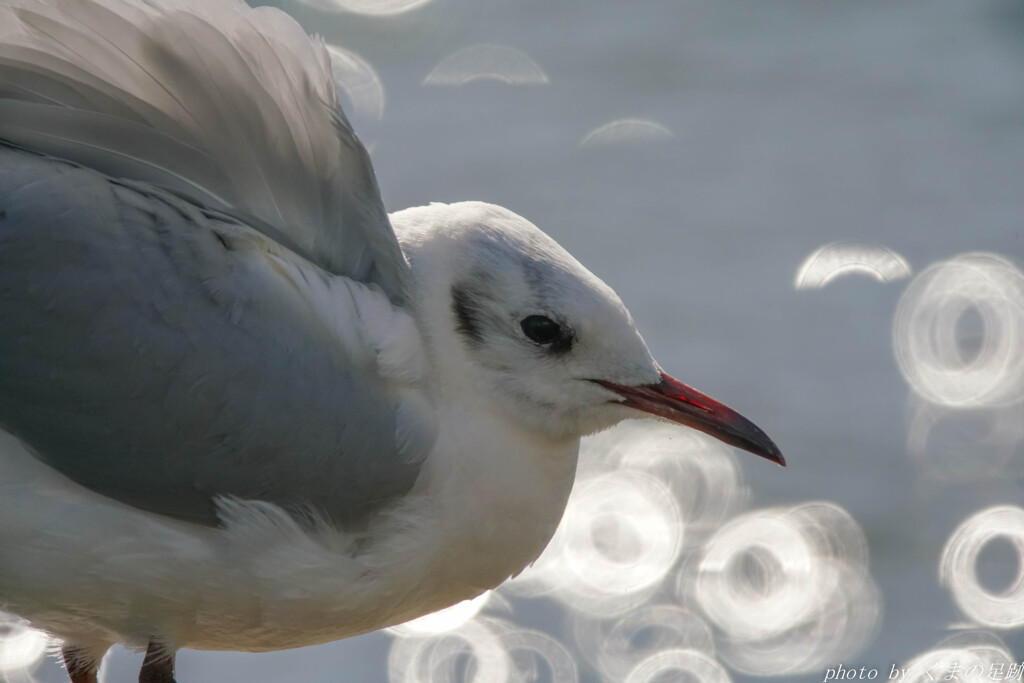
762,446
775,455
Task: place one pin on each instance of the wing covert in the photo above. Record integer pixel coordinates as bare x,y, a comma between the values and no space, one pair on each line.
147,356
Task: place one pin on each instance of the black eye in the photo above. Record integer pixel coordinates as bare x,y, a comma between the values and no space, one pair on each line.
541,329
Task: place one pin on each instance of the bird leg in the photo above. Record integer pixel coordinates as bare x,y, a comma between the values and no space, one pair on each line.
157,666
81,665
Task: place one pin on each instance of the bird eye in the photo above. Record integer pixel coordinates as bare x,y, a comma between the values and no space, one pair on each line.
541,329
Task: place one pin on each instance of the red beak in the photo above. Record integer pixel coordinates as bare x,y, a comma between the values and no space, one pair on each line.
675,401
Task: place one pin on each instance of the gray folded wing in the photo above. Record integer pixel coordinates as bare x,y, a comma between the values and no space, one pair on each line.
144,358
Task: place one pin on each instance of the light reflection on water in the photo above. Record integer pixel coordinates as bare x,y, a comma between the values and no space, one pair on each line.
487,63
373,8
622,131
839,259
485,650
694,665
928,339
541,653
962,445
789,589
354,76
958,567
969,657
443,620
615,647
442,658
701,473
641,491
620,536
22,649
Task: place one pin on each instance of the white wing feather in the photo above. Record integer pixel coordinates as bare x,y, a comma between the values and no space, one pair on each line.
230,106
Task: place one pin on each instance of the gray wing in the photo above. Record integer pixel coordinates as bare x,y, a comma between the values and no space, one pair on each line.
231,107
145,359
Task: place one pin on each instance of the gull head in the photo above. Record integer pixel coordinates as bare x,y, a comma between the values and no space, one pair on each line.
511,319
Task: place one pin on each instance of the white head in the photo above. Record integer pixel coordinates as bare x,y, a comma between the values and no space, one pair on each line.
511,318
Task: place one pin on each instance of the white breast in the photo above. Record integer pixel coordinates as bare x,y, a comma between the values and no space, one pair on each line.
500,493
486,505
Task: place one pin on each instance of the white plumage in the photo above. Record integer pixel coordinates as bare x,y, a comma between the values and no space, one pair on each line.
240,407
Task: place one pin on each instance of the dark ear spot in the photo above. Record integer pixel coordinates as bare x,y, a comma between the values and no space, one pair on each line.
467,315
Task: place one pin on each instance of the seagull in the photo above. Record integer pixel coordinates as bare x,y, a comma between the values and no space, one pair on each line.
241,406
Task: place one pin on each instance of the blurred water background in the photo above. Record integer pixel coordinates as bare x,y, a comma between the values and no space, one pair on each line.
815,212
